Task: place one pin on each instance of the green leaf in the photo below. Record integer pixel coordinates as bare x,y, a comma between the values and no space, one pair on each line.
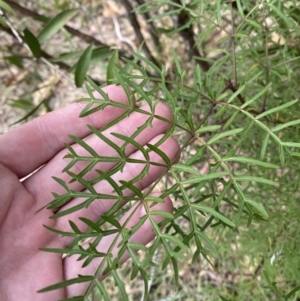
3,22
55,24
111,67
258,207
254,24
240,8
137,246
285,125
16,60
84,145
76,298
272,285
230,120
83,66
99,53
67,56
80,279
132,188
6,7
162,213
276,109
281,15
214,213
145,280
262,92
134,143
292,292
256,179
74,227
176,60
102,290
111,221
108,141
23,104
224,134
203,178
291,144
91,224
184,168
154,199
176,273
33,43
236,93
160,153
30,113
148,62
209,128
264,146
174,240
223,298
250,161
120,285
208,241
188,119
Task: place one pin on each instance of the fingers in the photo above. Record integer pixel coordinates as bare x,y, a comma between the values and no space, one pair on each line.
41,184
143,235
31,145
14,200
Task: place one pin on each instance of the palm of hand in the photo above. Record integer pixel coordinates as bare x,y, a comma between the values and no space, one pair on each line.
24,269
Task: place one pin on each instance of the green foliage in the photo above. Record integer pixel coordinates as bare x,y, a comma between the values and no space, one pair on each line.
235,114
83,66
33,43
55,24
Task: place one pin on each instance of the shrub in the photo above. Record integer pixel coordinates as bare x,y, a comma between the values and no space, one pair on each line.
229,71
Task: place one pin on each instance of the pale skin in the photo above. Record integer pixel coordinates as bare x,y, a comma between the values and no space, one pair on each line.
24,269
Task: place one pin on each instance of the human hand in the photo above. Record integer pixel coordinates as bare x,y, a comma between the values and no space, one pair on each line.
24,269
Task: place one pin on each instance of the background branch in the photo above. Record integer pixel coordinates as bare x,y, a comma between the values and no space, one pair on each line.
47,56
75,32
136,26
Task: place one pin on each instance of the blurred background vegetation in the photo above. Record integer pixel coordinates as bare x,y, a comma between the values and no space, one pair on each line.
236,51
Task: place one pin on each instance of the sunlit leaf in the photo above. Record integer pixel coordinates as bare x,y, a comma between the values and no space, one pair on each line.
210,128
251,161
204,178
256,179
83,66
258,207
6,7
111,67
276,109
214,213
224,134
80,279
33,43
285,125
55,24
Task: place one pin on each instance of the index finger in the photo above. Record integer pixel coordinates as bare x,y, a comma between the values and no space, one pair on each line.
28,147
